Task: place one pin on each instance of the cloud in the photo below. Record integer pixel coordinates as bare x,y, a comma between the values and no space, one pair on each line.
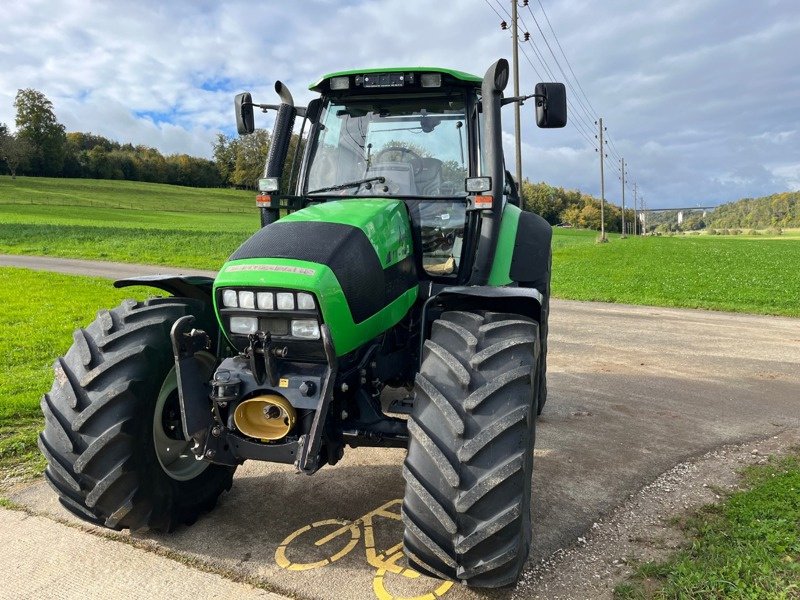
699,96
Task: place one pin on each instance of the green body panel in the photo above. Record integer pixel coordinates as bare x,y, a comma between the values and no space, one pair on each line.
385,222
501,267
466,77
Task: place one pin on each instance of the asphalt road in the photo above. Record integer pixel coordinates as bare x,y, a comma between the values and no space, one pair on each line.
633,391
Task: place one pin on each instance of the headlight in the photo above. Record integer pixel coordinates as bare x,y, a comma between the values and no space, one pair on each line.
244,325
266,301
229,299
285,300
247,300
305,301
305,328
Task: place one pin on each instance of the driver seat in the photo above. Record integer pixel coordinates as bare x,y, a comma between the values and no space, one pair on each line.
429,177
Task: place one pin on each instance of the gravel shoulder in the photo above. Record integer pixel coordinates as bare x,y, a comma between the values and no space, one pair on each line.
642,528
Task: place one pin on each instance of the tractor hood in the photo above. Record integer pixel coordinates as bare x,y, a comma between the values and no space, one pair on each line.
355,256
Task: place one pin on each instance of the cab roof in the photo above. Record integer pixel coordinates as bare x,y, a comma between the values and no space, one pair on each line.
460,75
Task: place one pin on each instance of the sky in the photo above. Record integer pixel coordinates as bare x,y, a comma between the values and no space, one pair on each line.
701,97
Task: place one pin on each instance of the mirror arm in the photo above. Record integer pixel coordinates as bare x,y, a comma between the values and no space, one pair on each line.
301,110
521,99
263,107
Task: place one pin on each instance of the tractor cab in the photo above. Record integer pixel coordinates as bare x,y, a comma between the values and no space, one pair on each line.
414,134
409,134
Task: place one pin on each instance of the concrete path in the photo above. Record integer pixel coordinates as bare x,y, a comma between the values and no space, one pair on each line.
94,268
634,390
44,559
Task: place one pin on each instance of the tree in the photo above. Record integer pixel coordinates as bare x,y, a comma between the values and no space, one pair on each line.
225,156
14,150
240,160
544,200
38,126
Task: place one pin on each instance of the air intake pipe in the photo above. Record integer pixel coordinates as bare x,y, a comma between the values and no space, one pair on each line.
279,145
494,82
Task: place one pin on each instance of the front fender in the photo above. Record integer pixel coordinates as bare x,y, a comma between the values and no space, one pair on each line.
525,301
197,287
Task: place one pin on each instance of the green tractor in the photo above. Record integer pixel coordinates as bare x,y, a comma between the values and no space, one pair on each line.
402,260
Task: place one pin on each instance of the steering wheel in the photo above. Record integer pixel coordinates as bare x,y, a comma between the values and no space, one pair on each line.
415,161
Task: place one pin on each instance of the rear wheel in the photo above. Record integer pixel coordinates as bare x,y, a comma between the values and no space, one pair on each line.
468,471
113,436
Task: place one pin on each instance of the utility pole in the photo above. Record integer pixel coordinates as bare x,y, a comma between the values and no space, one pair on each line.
515,57
623,197
644,217
635,213
602,186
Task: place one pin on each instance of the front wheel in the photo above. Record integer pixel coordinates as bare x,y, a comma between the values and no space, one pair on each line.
113,436
470,459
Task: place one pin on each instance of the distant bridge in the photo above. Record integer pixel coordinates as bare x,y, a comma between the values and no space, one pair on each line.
680,209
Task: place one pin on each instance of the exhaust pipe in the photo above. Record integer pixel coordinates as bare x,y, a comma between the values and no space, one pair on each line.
267,418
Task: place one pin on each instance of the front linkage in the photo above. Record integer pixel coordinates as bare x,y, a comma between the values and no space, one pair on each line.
308,387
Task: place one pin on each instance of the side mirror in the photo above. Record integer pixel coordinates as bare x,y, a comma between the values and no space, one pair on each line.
551,105
245,121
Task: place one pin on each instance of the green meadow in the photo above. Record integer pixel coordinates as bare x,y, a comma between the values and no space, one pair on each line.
199,228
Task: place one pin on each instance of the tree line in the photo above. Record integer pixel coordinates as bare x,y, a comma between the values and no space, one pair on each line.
777,210
572,207
41,146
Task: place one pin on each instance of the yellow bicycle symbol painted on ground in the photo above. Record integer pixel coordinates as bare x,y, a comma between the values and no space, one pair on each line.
344,538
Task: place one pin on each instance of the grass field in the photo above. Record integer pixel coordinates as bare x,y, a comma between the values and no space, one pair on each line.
756,274
40,312
718,272
53,192
747,547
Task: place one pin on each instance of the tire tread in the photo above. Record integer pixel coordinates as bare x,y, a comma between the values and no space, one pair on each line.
467,509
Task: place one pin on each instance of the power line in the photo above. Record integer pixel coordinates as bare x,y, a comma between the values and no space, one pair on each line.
555,58
564,54
503,8
590,112
535,70
614,149
583,120
499,16
579,127
584,116
583,111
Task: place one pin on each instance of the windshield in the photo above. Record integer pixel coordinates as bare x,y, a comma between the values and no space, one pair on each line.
390,147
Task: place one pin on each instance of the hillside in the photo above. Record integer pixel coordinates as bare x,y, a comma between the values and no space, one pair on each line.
137,195
777,210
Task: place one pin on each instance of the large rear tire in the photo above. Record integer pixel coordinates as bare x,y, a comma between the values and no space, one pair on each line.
112,438
470,459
